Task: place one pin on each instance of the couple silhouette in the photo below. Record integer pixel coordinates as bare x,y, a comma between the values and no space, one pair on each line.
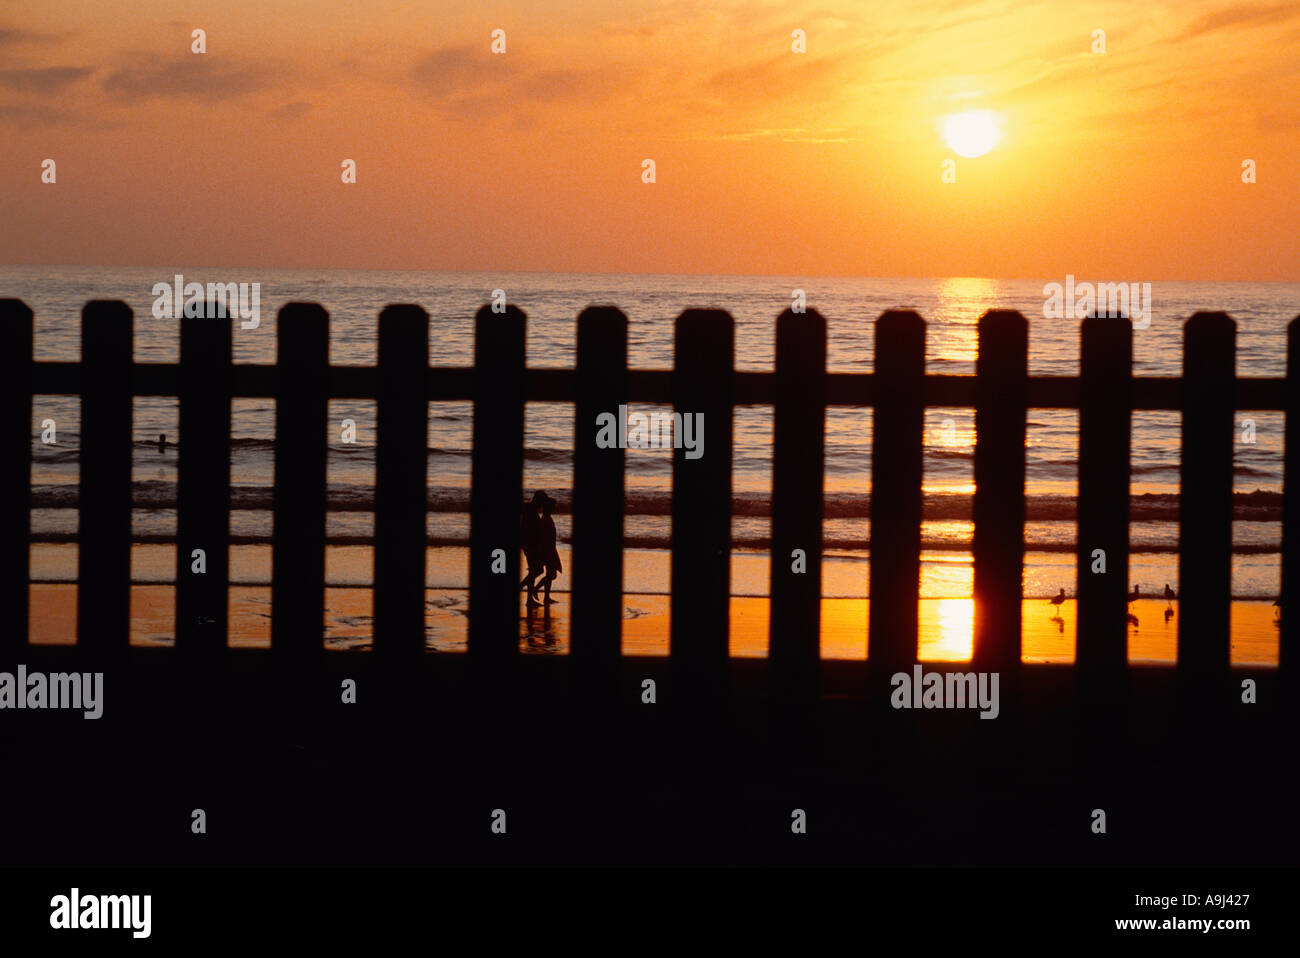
537,535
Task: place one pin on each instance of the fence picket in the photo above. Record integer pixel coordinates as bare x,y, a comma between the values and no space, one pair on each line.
298,529
701,522
1205,513
203,485
1105,419
496,489
896,471
1289,634
798,465
401,465
999,507
598,496
104,549
16,472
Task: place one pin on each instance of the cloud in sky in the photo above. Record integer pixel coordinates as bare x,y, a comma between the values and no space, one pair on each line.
26,115
11,37
191,76
1242,15
291,111
42,81
467,81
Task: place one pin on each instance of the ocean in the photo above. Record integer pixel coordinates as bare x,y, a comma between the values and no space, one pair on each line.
951,307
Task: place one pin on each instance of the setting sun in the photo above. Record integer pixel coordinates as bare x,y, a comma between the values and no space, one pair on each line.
972,133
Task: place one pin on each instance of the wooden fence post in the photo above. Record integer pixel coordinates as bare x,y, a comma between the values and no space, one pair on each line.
600,383
401,467
104,538
1205,519
896,474
203,484
299,494
798,467
16,473
1105,419
704,358
496,492
1288,652
1001,369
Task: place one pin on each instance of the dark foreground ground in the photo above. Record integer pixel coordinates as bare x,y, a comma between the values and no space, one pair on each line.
411,774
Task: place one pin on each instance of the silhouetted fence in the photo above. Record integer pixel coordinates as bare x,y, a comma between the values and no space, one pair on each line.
703,380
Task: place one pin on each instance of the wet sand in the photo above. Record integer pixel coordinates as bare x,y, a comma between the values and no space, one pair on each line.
1048,634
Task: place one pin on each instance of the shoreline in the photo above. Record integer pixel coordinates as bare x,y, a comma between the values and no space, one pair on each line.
945,574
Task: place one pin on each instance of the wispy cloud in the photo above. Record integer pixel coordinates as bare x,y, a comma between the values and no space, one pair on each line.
25,115
189,77
291,111
41,81
465,81
772,77
1242,15
19,36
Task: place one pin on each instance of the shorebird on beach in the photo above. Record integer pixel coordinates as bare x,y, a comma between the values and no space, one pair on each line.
1170,594
1058,599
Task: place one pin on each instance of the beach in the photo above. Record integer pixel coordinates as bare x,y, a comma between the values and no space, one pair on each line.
945,625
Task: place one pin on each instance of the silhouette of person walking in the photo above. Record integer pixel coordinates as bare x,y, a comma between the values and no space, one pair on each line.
530,538
546,546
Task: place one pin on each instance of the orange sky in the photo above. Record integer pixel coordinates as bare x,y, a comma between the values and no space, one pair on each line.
1117,166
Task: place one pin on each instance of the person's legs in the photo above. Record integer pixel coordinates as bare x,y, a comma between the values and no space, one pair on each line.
533,584
535,567
527,581
546,584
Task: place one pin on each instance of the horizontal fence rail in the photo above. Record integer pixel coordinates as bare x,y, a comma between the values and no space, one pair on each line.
456,383
703,380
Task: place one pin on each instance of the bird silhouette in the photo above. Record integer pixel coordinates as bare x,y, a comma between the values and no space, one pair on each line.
1170,594
1135,594
1058,599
